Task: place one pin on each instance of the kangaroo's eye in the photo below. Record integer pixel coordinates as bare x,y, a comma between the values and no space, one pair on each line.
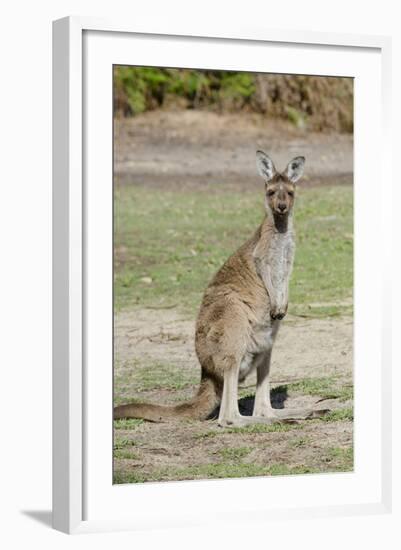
290,193
270,193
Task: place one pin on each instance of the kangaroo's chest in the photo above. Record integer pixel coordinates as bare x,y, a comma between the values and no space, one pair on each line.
279,257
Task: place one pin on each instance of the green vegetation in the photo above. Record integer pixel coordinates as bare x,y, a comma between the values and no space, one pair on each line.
123,448
125,453
127,423
341,459
121,443
320,103
338,415
233,465
323,271
326,388
167,250
214,471
137,89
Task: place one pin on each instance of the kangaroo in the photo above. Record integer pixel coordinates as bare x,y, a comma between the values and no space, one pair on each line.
240,316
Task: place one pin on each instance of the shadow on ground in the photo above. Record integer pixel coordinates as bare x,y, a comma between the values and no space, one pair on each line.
278,396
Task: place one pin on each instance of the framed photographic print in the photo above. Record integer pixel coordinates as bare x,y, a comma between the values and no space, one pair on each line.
218,311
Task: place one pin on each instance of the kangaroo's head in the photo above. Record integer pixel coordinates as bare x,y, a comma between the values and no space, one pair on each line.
279,186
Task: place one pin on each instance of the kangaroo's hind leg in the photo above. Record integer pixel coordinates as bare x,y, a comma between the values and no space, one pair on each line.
229,412
229,415
227,342
263,406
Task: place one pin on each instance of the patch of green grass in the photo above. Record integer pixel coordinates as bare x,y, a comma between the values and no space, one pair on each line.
327,388
234,453
338,415
341,459
323,273
121,443
244,393
168,245
125,453
212,471
123,448
127,423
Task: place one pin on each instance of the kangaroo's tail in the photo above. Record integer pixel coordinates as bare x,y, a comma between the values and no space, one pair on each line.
199,407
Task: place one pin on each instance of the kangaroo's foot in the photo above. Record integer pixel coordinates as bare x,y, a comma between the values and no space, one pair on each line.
292,414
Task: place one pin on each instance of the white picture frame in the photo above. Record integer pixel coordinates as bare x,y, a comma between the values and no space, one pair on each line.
79,482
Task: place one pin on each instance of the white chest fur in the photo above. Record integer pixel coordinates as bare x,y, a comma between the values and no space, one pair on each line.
280,256
273,260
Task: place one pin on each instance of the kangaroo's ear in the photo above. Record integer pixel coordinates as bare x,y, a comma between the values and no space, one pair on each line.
265,166
295,169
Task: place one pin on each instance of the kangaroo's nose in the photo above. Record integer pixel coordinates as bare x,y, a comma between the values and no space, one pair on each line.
282,206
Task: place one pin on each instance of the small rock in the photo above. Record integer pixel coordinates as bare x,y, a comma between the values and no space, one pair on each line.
147,280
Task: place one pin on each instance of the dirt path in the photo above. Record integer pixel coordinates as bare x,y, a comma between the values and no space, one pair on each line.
155,360
201,149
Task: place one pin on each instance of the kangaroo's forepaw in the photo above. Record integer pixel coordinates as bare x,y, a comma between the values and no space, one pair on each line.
277,316
278,313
